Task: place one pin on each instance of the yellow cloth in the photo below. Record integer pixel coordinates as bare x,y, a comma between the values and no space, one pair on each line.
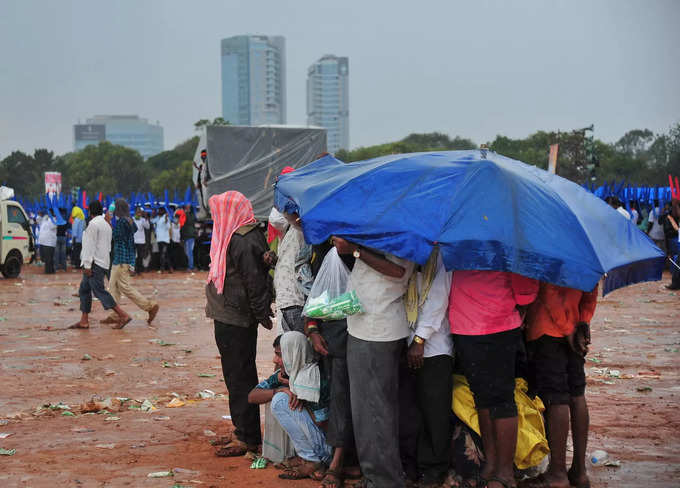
532,445
77,213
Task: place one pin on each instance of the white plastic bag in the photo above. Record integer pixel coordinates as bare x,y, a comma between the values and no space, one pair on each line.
329,298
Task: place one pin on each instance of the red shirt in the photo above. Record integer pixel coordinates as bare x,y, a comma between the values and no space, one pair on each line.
483,302
557,310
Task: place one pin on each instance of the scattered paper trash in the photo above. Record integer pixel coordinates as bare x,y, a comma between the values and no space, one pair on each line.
5,435
259,463
226,417
644,389
7,452
111,419
205,394
175,403
206,375
86,357
613,463
164,417
160,474
105,446
206,432
66,413
147,406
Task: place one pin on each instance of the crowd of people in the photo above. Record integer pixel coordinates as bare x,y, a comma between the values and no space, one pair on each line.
375,395
164,237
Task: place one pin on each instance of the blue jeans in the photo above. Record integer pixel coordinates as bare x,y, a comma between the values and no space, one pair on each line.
60,257
189,251
94,284
308,438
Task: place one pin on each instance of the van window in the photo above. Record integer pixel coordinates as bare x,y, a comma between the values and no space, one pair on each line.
15,215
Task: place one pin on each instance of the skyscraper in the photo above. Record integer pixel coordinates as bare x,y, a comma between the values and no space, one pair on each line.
126,130
254,80
328,99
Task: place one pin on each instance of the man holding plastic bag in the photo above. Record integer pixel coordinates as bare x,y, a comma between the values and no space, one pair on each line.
376,342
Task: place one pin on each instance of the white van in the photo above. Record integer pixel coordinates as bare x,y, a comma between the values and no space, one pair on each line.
16,238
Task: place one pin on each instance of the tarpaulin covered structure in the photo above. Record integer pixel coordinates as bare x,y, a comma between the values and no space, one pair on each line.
484,211
248,160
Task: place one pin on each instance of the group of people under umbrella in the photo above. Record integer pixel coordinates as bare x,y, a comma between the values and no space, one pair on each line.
476,278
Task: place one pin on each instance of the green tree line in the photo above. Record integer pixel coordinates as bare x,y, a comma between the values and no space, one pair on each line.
639,157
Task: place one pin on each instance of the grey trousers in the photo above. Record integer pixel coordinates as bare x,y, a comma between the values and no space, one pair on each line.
374,391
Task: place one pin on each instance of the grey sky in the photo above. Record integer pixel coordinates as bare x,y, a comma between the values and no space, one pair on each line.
474,68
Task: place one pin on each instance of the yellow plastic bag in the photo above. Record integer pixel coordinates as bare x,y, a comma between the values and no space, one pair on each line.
532,445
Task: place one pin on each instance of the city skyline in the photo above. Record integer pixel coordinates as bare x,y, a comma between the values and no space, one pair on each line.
508,68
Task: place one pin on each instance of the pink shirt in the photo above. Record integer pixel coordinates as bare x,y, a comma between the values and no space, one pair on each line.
483,302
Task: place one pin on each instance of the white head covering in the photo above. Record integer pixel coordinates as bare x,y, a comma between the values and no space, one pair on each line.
303,371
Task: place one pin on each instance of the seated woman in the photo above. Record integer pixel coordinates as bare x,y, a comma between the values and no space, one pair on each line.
299,401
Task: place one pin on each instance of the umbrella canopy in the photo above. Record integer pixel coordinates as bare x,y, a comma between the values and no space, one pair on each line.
484,211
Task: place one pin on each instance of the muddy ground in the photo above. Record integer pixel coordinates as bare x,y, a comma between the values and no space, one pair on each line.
633,389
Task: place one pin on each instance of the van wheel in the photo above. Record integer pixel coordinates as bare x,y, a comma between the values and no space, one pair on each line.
12,266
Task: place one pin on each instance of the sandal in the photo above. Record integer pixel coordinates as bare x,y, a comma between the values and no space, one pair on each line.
538,482
306,469
122,323
236,448
222,441
108,320
332,479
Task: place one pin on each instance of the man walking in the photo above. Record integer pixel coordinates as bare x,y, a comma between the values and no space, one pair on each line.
95,261
123,262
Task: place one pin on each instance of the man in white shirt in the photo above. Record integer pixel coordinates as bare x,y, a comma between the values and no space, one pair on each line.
142,223
48,242
95,259
376,343
430,355
162,225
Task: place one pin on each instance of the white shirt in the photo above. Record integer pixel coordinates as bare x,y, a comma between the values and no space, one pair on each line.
141,223
96,243
48,232
656,232
174,228
623,212
634,215
162,223
433,322
278,221
288,293
381,297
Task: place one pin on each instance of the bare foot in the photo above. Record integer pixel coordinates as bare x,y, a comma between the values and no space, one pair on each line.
79,325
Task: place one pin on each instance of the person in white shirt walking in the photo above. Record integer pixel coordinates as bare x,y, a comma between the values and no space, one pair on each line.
95,260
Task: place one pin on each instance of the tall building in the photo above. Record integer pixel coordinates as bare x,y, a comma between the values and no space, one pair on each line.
126,130
328,99
254,80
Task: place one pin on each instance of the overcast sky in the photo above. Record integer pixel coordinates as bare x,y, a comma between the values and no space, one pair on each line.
473,68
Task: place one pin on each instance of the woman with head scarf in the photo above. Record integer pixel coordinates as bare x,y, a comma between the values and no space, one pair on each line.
299,396
239,295
77,227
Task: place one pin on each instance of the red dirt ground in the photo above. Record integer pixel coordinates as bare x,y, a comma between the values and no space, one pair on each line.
635,331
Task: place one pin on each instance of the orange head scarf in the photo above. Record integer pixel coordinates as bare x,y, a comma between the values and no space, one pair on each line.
229,210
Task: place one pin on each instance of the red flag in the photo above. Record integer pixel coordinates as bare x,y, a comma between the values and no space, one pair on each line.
84,200
100,197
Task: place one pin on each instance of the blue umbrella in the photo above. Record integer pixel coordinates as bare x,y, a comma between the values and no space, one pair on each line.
484,211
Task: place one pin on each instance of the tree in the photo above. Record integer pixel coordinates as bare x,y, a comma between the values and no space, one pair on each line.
433,141
106,167
216,121
174,157
171,179
25,173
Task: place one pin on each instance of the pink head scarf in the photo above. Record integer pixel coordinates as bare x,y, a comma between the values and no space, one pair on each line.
229,210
